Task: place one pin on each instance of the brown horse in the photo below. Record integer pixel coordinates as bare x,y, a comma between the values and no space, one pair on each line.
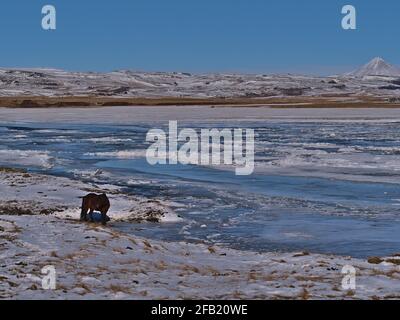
93,202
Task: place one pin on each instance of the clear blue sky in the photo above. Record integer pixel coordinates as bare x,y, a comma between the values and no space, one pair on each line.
199,36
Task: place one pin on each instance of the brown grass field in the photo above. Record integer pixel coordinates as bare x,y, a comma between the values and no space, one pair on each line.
274,102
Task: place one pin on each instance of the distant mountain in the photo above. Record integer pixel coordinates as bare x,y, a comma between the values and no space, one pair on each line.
134,84
376,67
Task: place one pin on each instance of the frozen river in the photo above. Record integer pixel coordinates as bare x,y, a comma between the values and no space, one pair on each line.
326,180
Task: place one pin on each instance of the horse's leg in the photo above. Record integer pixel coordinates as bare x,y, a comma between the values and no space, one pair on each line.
103,218
84,211
91,215
104,215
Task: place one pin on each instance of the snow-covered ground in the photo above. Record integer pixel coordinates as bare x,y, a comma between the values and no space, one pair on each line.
39,227
35,194
52,83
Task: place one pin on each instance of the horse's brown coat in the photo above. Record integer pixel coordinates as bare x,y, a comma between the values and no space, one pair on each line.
93,202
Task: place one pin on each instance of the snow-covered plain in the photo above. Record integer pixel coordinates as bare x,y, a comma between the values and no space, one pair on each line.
39,227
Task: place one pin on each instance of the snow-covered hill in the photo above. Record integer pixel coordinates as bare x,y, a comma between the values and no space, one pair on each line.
52,82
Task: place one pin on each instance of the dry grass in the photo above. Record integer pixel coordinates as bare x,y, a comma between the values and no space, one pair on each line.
394,261
147,244
325,101
84,286
375,260
212,250
118,288
130,261
304,295
119,250
310,278
253,276
144,293
392,297
161,265
301,254
191,269
350,293
393,273
11,170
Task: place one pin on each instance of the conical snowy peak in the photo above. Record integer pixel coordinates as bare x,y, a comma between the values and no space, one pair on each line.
377,67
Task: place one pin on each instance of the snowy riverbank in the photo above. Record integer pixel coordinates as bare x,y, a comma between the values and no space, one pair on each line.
39,227
23,193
